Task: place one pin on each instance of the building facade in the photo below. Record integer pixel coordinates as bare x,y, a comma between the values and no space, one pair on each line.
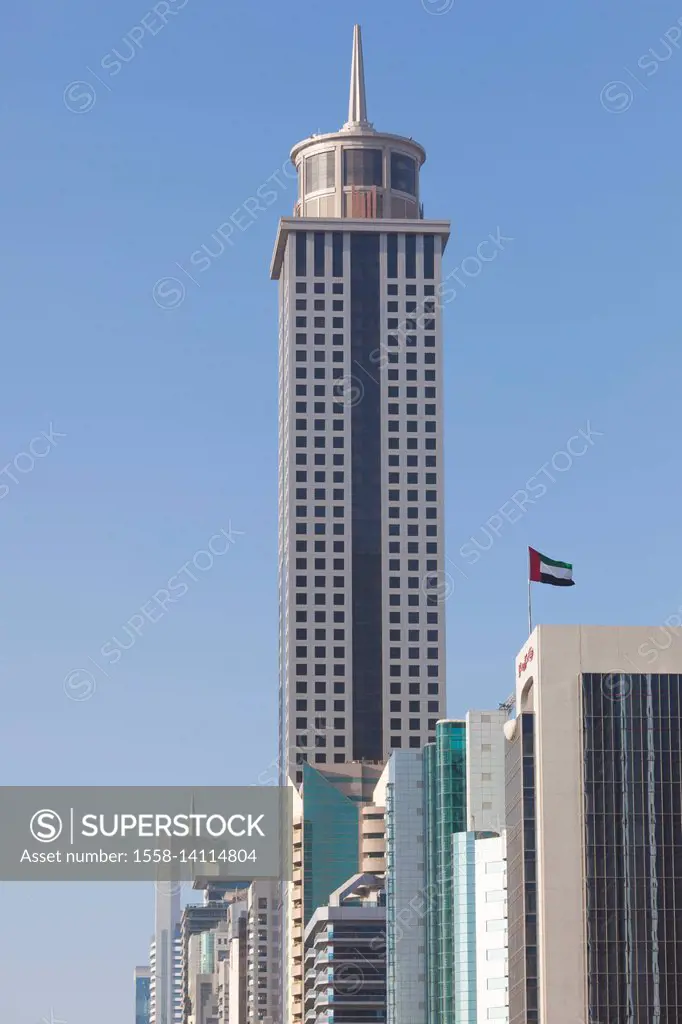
263,950
480,955
141,981
406,894
594,774
334,834
345,955
442,804
165,957
492,953
362,645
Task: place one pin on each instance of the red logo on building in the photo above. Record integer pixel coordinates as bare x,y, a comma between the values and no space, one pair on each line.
523,665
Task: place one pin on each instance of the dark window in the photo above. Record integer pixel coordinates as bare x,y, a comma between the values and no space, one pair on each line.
362,167
318,241
410,255
300,254
337,254
319,171
428,262
391,255
403,174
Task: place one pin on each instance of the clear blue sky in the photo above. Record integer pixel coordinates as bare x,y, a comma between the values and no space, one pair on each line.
170,415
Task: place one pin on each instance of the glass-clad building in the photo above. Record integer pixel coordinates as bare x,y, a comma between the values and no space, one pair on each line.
594,784
632,777
142,981
442,946
331,831
445,785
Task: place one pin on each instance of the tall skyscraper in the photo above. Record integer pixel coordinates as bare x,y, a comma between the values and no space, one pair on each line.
141,981
165,957
594,840
362,645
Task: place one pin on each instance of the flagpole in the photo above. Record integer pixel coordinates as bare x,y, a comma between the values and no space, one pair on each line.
530,616
530,613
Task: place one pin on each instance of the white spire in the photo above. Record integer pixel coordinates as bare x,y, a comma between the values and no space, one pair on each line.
357,102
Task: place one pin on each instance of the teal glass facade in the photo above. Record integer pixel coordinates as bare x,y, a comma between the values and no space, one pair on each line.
207,960
464,926
142,986
331,846
445,787
431,876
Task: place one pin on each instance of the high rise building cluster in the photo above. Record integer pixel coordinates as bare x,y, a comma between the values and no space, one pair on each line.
520,864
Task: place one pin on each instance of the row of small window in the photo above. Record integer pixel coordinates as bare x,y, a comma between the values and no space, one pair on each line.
411,392
394,600
411,461
411,494
320,668
318,759
429,358
392,306
409,340
321,545
395,636
410,289
413,724
320,321
319,512
318,425
320,652
320,305
319,288
394,618
319,477
318,356
320,494
318,339
320,687
320,723
413,653
338,390
319,441
320,741
320,563
393,374
393,529
413,478
413,741
319,373
410,325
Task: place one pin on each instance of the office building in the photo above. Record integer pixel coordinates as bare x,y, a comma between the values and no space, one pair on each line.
165,957
492,955
362,642
594,840
198,919
345,955
335,832
141,981
263,950
479,928
406,894
438,803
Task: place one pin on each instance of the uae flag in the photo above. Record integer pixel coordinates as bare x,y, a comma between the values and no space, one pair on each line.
547,570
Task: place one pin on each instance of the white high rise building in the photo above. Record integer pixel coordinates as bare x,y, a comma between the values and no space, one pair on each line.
165,957
361,561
